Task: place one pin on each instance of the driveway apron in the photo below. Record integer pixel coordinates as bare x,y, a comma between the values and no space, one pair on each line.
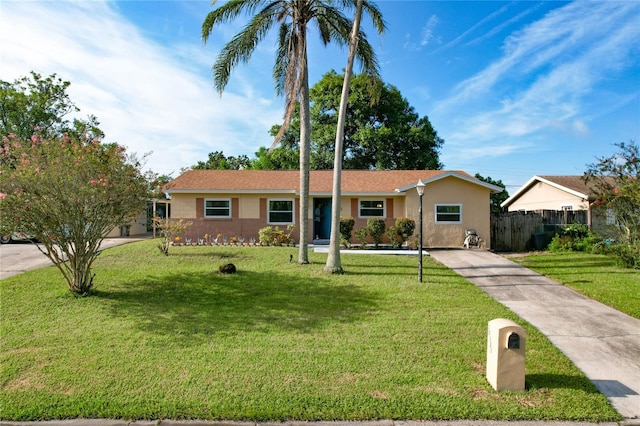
602,342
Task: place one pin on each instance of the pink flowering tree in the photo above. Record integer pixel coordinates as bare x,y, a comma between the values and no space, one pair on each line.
68,193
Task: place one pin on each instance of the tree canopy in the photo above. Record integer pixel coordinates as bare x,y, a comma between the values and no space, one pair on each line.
37,104
58,182
382,133
218,161
496,199
68,194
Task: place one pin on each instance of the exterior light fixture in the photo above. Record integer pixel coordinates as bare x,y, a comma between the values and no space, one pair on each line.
420,189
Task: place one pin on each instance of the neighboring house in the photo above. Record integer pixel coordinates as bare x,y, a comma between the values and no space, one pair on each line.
241,202
137,227
568,193
550,193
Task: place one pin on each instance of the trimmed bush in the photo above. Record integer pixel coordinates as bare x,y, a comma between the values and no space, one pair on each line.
346,226
275,236
376,228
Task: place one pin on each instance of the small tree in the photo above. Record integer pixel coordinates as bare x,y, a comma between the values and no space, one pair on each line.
376,227
69,193
170,229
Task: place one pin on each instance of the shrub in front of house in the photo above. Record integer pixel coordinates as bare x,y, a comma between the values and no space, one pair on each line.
405,228
376,228
361,235
394,238
275,236
346,226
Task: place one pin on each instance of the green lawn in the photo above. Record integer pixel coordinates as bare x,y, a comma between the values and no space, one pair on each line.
594,275
171,338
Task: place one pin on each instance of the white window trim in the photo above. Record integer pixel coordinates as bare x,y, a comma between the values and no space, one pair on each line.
384,207
217,217
293,211
446,222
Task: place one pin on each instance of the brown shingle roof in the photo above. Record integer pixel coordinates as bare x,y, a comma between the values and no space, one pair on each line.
572,182
353,181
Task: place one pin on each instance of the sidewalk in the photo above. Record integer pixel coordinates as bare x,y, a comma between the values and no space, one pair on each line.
602,342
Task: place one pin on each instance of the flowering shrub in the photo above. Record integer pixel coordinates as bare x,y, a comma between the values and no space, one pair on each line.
274,235
68,192
171,230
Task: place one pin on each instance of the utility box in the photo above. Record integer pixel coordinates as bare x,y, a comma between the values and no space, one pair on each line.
506,342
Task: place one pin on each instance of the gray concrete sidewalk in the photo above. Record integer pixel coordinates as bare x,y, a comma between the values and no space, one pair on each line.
602,342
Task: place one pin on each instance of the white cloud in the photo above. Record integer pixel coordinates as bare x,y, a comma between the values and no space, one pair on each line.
428,29
548,77
147,97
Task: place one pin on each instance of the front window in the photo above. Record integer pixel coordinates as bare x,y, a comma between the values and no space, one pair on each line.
280,211
371,208
448,213
217,208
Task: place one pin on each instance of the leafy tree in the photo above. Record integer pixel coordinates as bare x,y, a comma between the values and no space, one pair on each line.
285,156
218,161
615,183
381,130
290,72
39,105
496,199
69,193
279,158
384,133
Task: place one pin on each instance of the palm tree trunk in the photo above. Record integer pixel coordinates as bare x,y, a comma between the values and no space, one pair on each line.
305,144
334,265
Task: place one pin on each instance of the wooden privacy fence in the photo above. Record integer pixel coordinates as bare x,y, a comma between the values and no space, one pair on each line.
523,231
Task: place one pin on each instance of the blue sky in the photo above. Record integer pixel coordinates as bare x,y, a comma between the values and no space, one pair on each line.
514,88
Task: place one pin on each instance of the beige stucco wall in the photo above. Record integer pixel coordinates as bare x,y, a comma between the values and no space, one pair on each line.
542,196
184,205
136,227
475,201
473,198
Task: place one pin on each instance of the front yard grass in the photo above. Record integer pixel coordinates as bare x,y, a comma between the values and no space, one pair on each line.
595,275
169,337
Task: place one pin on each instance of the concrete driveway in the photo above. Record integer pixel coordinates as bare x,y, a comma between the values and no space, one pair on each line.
602,342
21,256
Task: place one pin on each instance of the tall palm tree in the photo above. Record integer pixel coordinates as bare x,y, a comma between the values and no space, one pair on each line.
290,72
334,264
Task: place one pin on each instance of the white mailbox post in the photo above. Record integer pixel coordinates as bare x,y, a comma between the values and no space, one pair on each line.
506,343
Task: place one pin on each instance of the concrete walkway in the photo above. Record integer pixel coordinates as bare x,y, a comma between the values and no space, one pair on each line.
602,342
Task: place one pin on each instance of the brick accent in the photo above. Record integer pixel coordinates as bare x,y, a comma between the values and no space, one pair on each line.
199,208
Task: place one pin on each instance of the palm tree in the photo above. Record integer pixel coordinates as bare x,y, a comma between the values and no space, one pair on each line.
290,72
334,265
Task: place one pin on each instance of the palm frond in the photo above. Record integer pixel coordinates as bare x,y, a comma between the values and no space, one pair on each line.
241,47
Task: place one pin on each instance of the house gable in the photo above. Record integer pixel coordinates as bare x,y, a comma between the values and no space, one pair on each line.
550,193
